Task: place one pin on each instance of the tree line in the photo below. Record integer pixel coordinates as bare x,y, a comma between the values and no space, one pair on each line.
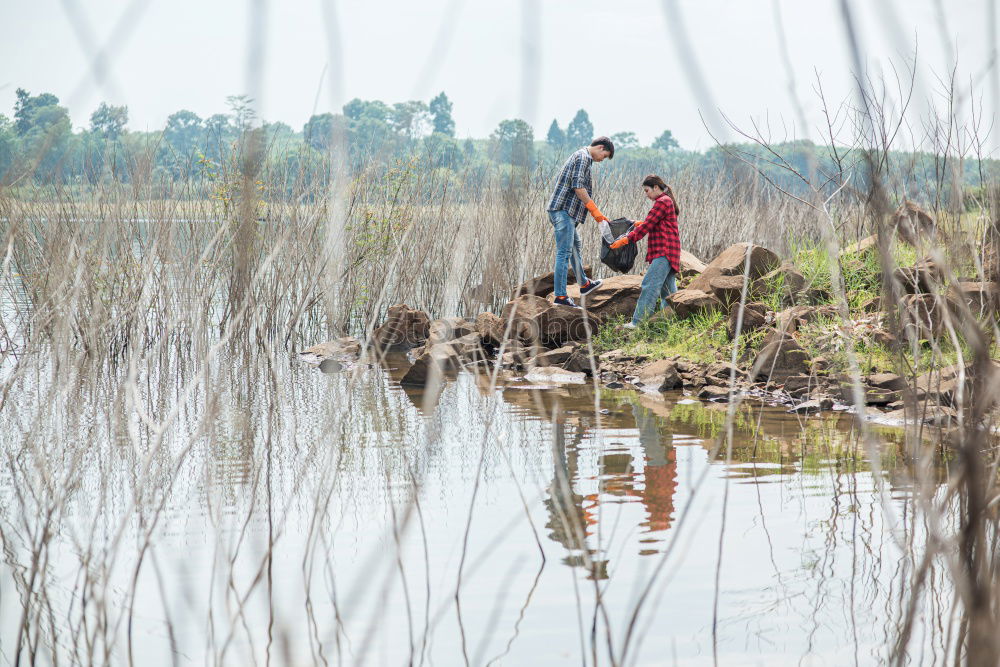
39,146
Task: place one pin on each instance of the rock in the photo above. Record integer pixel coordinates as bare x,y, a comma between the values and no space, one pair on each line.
712,393
790,319
688,302
448,329
615,384
544,285
490,329
922,315
347,347
536,320
890,381
871,395
924,276
780,359
469,347
732,261
860,247
430,366
404,328
556,357
721,371
799,384
727,289
820,364
911,223
660,376
883,337
754,317
813,406
617,295
690,265
786,279
556,375
981,298
580,362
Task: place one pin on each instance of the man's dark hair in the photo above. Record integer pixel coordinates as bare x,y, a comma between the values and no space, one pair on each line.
606,143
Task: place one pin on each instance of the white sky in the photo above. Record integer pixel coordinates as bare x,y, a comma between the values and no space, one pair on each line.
536,59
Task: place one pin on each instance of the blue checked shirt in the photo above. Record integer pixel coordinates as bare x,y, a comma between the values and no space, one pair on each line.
575,174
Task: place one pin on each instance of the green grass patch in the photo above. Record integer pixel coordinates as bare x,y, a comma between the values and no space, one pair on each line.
698,338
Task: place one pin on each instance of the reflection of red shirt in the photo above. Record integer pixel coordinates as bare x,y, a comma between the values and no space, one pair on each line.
657,494
664,237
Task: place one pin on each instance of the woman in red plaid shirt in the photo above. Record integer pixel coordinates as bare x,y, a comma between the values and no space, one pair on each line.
663,251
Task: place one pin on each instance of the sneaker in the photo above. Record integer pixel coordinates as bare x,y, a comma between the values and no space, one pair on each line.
629,325
590,287
565,301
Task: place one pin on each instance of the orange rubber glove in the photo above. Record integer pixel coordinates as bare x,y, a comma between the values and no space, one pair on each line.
623,241
596,212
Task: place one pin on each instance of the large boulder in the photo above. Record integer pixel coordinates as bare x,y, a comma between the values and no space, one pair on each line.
536,320
779,360
911,223
404,328
688,302
922,315
727,289
543,285
659,376
490,329
924,276
449,328
690,265
754,317
790,319
731,262
616,296
786,279
431,365
981,298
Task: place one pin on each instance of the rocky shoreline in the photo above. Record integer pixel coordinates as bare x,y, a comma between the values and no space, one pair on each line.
552,344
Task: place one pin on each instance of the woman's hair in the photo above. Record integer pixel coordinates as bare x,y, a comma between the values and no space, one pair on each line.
654,181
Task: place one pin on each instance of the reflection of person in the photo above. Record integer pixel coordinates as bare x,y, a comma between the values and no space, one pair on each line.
659,475
663,250
568,208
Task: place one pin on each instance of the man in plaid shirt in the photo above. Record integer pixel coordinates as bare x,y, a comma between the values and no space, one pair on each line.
568,208
663,250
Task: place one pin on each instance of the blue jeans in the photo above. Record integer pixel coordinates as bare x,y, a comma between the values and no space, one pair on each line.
567,250
658,283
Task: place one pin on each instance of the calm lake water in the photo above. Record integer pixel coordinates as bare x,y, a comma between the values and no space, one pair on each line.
243,512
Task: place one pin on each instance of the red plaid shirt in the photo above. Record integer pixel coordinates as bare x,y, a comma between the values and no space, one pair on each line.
664,237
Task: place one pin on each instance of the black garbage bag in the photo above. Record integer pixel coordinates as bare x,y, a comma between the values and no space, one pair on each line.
620,259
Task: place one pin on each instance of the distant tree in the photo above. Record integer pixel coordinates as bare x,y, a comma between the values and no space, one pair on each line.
183,131
515,142
469,150
8,148
374,109
277,131
580,132
440,108
666,141
46,140
556,137
443,150
410,119
243,112
625,140
220,126
109,121
318,131
26,106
